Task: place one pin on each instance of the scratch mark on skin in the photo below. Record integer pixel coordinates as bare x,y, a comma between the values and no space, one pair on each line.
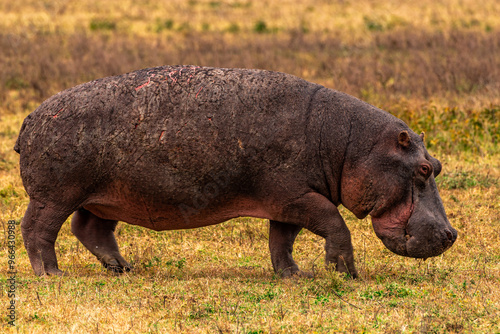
298,153
177,75
141,118
149,213
196,96
140,156
201,88
161,135
178,131
193,68
55,141
57,113
145,84
174,80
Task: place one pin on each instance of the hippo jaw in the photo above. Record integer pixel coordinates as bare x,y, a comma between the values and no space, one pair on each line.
418,228
404,242
390,227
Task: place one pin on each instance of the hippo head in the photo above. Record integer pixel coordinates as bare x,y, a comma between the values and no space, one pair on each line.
393,181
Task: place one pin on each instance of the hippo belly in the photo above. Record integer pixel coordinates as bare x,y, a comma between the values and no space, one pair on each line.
166,216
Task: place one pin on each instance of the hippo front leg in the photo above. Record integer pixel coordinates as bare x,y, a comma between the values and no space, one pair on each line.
281,239
316,213
339,252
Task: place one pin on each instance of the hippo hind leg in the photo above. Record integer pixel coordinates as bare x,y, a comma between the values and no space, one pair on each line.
40,226
97,235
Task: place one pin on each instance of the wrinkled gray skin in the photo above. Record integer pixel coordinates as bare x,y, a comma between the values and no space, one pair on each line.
182,147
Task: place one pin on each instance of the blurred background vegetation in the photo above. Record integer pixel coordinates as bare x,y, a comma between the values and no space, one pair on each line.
435,64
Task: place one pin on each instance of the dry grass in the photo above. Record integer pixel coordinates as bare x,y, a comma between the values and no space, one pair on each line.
434,64
457,68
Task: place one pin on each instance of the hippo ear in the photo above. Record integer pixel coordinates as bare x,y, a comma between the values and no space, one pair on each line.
404,138
422,135
436,166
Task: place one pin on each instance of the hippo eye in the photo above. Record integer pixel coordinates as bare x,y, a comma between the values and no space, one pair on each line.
425,170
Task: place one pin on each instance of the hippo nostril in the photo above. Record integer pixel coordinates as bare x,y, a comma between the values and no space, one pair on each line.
451,236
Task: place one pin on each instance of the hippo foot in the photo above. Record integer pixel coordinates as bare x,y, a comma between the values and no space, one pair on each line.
342,266
281,238
52,272
97,235
116,264
340,258
302,274
287,272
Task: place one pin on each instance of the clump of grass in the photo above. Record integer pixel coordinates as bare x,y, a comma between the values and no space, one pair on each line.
391,290
373,24
97,24
205,26
233,28
164,25
462,179
214,4
260,27
381,23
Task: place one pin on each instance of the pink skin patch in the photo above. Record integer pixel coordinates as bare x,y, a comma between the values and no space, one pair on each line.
145,84
193,68
57,113
172,75
394,220
161,135
174,79
199,91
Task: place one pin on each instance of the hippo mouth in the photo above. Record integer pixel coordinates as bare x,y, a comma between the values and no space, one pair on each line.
414,231
393,234
416,249
390,226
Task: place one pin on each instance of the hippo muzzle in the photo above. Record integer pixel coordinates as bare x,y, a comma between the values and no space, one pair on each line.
426,233
420,239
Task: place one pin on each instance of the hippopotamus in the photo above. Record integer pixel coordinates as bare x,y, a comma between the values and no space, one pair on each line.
181,147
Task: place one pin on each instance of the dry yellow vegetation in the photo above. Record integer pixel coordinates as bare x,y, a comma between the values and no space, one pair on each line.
435,64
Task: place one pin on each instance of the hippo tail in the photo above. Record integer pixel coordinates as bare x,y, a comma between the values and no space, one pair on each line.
17,146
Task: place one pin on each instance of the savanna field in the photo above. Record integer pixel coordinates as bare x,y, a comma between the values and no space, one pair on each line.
434,64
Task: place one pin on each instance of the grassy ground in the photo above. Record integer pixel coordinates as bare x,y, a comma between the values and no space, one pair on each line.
434,64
